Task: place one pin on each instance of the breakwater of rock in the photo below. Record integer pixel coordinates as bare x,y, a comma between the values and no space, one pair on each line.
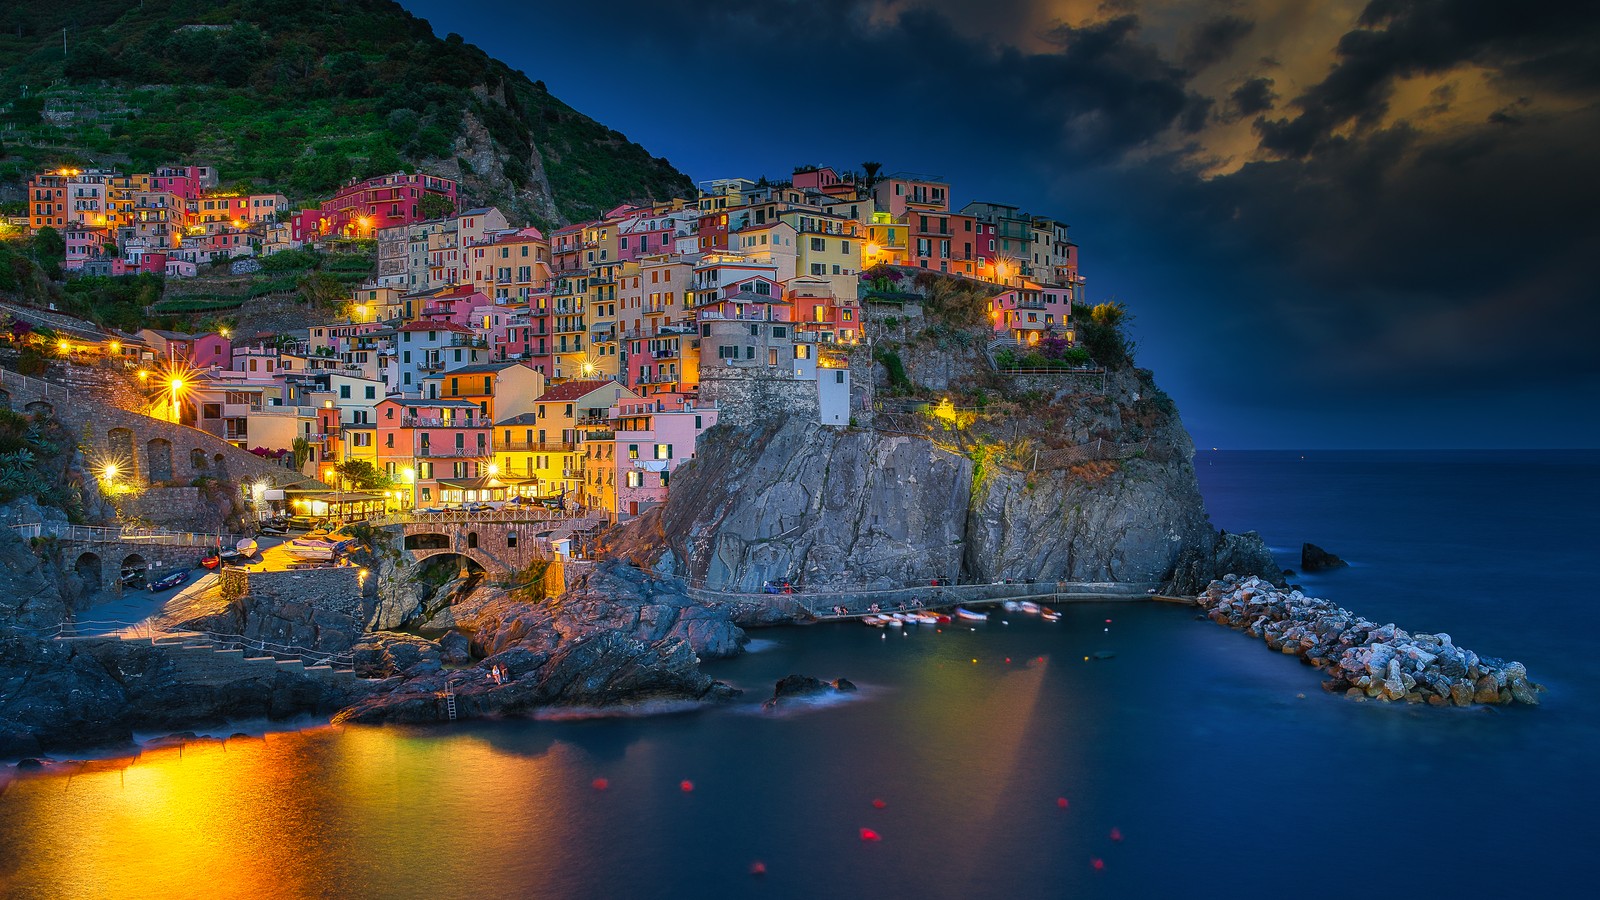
1365,660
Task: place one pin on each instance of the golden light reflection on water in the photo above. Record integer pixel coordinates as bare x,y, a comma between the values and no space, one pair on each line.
254,818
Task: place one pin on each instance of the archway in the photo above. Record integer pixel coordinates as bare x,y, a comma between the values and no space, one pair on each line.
472,540
89,571
39,408
119,445
197,458
427,542
5,399
135,571
159,454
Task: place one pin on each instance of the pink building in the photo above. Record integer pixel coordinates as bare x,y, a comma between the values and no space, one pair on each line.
84,244
654,437
362,208
433,441
211,350
187,182
1032,313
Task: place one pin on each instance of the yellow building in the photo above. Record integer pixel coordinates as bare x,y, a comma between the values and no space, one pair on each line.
827,247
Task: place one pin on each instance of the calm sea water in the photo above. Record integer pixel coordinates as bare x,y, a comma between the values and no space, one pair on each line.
1193,743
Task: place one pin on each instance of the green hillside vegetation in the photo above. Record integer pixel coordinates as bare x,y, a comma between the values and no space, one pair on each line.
294,96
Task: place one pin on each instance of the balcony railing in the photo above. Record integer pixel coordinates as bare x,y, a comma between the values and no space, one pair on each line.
434,422
532,447
451,452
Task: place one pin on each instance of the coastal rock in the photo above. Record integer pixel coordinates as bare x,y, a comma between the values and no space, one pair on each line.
455,649
796,687
1316,559
1364,659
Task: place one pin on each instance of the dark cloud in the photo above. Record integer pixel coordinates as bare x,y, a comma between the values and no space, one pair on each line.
1253,97
1214,40
1550,44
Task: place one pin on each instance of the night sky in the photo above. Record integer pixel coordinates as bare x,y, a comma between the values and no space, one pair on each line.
1338,224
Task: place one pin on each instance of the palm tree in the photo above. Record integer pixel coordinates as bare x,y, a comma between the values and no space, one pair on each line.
869,172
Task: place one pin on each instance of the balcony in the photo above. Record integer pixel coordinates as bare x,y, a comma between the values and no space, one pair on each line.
531,447
451,452
434,422
742,317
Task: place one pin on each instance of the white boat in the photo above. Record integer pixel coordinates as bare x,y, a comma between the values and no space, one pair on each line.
1051,615
895,623
1010,606
246,547
927,618
1028,606
964,613
311,549
874,621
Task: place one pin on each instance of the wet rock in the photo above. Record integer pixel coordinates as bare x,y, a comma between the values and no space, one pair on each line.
1378,662
1316,559
455,649
844,684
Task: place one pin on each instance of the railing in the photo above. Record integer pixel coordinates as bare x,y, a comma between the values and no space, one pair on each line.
521,513
428,422
91,534
531,447
447,452
38,385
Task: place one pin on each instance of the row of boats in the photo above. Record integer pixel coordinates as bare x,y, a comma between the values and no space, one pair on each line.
922,617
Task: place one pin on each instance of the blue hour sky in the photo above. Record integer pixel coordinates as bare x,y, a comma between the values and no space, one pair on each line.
1341,224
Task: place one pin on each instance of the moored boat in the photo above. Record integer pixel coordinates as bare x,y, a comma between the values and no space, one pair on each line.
246,547
1028,606
970,615
170,581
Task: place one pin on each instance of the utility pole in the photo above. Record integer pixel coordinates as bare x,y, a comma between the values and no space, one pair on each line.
63,42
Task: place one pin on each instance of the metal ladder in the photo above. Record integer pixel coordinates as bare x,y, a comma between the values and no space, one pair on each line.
450,705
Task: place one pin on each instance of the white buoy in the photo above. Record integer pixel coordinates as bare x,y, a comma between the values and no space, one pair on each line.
1004,622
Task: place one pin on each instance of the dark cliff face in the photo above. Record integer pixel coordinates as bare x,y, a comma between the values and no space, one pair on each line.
827,507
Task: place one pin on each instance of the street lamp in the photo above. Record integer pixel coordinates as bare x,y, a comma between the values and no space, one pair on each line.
175,388
409,475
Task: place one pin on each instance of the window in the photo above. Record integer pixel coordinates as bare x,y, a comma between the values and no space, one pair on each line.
663,451
633,451
802,351
750,353
372,392
818,244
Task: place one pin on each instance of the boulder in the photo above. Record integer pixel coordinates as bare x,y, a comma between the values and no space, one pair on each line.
1316,559
455,648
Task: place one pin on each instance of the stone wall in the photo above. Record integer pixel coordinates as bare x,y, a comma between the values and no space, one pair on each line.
744,396
317,609
179,508
157,451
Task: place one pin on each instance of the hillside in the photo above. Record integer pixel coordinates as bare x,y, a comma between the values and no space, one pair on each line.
300,97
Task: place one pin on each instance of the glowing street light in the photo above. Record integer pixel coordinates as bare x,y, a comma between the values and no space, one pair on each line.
588,368
175,389
109,471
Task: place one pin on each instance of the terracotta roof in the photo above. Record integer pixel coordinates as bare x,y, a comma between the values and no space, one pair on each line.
573,390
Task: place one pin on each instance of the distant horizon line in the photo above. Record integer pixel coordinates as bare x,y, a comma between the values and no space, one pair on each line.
1397,449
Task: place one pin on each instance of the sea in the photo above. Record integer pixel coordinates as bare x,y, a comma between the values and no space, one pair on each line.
1128,750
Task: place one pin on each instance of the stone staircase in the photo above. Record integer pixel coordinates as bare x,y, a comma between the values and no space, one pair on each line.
202,659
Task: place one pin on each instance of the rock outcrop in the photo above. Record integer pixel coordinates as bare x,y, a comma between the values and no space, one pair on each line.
1365,660
1316,559
800,687
618,638
827,508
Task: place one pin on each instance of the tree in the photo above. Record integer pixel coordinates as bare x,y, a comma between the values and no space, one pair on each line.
301,451
1102,334
321,290
434,206
362,475
869,172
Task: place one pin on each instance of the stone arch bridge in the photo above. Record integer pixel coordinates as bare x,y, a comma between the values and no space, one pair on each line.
501,542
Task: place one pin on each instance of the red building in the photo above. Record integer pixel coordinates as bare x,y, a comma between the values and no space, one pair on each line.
362,208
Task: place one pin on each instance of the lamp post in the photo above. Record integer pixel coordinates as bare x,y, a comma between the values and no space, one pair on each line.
409,474
175,390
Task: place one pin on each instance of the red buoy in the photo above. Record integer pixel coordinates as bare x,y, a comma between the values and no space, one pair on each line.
758,868
867,834
1099,864
1061,802
1116,834
686,785
878,804
601,784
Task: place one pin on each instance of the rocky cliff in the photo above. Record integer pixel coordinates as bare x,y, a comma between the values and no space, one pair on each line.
1052,477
